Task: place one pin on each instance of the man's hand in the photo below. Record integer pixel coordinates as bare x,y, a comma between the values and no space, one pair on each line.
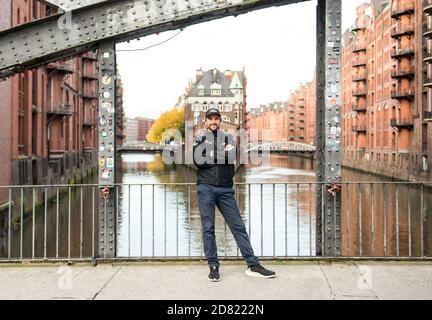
229,147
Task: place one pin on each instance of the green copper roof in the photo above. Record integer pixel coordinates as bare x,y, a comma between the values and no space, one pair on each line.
236,83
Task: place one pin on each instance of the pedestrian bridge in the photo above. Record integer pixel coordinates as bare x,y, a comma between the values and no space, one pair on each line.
141,147
85,25
288,146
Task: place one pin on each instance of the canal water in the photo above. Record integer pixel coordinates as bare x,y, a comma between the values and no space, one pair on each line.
161,218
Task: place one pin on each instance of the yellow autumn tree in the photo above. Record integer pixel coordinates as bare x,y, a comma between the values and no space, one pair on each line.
172,119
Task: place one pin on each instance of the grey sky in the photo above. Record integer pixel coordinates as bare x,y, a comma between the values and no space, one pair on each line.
276,46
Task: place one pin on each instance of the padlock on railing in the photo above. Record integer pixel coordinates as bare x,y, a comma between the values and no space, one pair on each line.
105,192
334,188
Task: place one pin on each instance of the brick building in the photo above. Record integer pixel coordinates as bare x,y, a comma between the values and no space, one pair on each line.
386,93
386,90
143,127
138,128
293,120
49,115
121,120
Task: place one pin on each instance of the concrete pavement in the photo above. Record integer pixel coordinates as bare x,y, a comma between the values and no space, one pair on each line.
180,280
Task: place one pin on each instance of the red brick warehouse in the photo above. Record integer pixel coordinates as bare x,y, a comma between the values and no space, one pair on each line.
49,132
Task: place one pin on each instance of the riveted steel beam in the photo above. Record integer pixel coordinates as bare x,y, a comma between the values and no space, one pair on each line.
83,29
71,4
107,150
329,172
319,136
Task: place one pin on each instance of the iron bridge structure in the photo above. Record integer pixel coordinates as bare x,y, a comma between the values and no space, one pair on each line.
85,25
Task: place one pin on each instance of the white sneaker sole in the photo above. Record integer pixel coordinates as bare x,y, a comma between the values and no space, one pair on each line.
249,273
213,280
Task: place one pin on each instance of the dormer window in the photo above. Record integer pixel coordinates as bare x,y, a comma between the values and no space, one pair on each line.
201,90
216,89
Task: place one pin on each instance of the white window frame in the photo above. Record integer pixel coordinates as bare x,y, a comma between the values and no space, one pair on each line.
216,92
228,107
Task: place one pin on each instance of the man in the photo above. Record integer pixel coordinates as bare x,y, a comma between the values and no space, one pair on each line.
214,153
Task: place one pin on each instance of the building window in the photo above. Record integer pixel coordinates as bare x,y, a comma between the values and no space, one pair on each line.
35,10
35,88
216,92
201,90
21,115
226,119
228,107
196,107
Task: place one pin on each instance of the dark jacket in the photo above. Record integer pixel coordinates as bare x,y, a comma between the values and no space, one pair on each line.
215,165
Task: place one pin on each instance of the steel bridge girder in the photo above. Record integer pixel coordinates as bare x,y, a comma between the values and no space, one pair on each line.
71,4
65,35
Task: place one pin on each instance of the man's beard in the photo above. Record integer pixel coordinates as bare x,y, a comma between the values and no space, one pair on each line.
216,127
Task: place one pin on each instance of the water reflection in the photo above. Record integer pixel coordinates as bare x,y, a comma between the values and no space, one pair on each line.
164,220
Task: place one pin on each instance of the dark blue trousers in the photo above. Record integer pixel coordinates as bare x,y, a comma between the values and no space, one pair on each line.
210,196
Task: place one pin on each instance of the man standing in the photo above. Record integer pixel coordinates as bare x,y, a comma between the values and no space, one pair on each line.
214,153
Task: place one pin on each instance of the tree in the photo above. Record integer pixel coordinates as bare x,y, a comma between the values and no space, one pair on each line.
172,119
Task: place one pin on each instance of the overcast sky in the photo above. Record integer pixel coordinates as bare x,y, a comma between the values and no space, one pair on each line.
276,46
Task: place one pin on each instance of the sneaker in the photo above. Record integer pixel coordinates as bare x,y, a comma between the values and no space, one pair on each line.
260,272
214,274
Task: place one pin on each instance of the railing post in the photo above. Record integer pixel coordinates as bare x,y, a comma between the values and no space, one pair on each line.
328,128
107,150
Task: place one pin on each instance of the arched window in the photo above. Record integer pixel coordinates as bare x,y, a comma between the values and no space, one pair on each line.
196,106
204,106
228,107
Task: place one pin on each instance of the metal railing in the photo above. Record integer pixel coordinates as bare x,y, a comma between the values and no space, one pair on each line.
403,93
399,52
402,28
402,7
359,92
402,122
389,220
401,72
360,77
359,108
358,62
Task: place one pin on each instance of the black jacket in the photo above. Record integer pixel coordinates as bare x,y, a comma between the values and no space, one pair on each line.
215,165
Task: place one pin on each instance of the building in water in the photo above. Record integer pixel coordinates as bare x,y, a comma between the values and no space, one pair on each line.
292,120
387,91
137,129
225,91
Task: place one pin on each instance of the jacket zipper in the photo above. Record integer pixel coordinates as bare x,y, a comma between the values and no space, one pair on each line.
217,167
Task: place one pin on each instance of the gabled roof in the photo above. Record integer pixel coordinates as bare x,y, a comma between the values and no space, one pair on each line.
236,83
212,78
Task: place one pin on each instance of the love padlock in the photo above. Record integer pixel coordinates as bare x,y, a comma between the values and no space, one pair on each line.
105,192
335,188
